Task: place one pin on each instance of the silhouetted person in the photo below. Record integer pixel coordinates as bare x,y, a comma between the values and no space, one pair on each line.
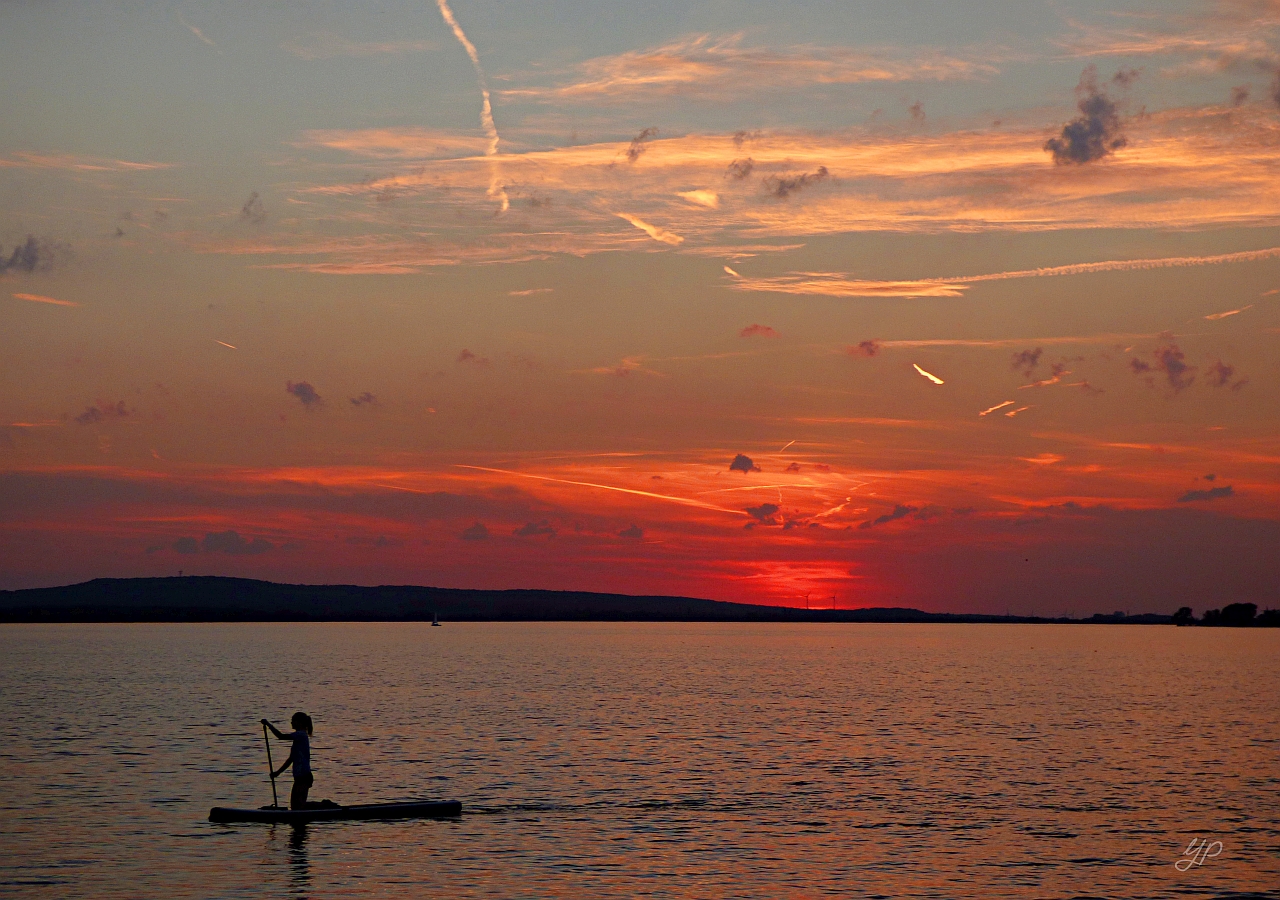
299,758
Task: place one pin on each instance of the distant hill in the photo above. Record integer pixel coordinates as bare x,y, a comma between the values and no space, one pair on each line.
212,599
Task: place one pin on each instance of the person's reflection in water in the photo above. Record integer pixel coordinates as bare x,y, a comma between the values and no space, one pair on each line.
299,864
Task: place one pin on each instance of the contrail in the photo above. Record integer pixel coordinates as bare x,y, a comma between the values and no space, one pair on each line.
788,444
197,32
496,190
934,378
987,412
838,284
41,298
1213,317
225,344
605,487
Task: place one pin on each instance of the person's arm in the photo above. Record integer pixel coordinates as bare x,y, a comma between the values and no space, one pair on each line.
276,731
284,765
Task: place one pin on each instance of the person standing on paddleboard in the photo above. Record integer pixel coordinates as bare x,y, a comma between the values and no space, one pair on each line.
299,758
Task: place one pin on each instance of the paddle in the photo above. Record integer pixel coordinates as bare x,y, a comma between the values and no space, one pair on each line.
271,767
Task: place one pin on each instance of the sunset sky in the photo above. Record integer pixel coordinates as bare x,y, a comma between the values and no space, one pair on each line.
970,306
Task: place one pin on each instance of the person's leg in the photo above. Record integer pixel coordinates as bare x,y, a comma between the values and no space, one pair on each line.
301,785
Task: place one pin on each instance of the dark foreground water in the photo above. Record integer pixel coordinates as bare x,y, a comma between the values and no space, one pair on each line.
629,760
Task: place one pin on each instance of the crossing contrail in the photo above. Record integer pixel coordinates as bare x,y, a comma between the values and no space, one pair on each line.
496,190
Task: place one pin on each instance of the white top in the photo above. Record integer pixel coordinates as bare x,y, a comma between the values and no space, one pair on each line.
301,752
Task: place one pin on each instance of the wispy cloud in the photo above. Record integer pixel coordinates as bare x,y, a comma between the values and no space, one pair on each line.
709,199
27,160
397,143
655,232
1182,169
710,66
988,411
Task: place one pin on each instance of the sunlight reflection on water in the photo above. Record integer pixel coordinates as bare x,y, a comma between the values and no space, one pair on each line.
664,760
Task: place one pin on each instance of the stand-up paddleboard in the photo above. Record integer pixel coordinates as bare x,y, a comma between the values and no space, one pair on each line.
418,809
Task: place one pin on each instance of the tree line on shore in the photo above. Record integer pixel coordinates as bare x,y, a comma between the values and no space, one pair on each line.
1233,615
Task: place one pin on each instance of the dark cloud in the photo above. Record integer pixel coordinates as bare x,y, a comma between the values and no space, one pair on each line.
899,512
633,533
1210,477
1275,89
361,540
765,512
1221,374
28,256
466,356
794,467
1171,360
637,148
535,529
741,137
917,111
1125,77
822,467
1239,95
757,331
1025,361
740,169
232,543
1210,494
743,464
304,392
476,532
783,186
864,348
253,210
186,545
365,399
100,412
1095,133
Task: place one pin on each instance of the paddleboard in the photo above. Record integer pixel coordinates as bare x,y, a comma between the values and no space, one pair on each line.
417,809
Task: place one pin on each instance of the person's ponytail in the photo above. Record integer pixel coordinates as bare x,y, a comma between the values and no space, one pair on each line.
301,718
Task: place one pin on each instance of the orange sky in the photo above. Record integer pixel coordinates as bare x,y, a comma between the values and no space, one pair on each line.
973,309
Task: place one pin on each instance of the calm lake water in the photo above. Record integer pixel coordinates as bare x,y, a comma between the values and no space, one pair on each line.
647,760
